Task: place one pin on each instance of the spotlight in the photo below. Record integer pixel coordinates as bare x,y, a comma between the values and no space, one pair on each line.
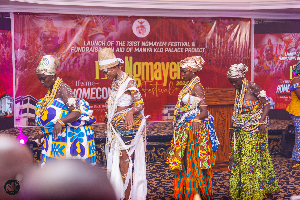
22,139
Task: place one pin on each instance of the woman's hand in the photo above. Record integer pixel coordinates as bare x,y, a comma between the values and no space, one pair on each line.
39,139
230,133
262,130
196,127
129,123
105,119
56,130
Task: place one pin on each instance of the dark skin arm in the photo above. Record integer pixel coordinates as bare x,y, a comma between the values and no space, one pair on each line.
297,91
198,91
254,91
65,93
136,96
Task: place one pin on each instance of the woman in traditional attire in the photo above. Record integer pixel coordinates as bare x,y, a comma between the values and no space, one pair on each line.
294,110
252,173
126,126
194,140
65,121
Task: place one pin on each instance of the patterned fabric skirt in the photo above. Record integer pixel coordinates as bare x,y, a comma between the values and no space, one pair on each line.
75,141
193,175
72,143
252,173
118,123
296,150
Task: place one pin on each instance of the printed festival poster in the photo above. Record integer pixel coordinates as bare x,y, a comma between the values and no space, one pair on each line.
275,56
151,48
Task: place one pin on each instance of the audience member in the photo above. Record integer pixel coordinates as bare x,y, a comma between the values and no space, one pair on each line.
15,161
67,179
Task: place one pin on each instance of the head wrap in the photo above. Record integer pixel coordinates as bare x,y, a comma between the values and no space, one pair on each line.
48,65
194,64
107,58
296,69
237,71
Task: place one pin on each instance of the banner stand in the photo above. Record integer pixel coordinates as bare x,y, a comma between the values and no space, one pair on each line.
13,62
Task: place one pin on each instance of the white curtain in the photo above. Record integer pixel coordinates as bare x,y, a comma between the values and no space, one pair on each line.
275,9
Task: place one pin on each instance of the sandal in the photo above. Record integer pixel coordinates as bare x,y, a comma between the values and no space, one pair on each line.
296,166
269,196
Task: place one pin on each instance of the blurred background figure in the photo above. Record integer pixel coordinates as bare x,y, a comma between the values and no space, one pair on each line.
294,110
67,179
15,161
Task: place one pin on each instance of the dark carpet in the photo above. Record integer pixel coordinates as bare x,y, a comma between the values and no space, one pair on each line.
160,181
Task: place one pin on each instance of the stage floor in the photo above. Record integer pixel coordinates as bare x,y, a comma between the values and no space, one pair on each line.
160,181
160,178
153,128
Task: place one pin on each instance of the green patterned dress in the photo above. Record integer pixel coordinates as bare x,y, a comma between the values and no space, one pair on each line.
252,173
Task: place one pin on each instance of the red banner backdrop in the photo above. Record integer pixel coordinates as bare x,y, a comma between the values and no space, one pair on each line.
6,78
275,55
6,74
151,48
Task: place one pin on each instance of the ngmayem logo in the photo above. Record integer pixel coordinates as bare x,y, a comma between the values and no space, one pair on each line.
141,28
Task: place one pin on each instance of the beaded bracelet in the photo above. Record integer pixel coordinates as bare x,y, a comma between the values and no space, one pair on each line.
202,105
261,124
77,110
61,122
138,102
196,120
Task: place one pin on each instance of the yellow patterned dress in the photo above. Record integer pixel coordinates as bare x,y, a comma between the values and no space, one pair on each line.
252,173
294,110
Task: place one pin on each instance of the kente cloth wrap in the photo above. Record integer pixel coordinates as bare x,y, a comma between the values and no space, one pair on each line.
296,150
294,106
76,140
252,174
193,176
114,144
118,122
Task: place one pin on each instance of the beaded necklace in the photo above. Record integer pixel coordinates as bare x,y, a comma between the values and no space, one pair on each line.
239,98
252,122
187,88
115,88
48,99
295,78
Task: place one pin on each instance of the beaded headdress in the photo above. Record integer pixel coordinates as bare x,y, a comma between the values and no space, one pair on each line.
194,63
237,71
107,58
296,69
48,65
